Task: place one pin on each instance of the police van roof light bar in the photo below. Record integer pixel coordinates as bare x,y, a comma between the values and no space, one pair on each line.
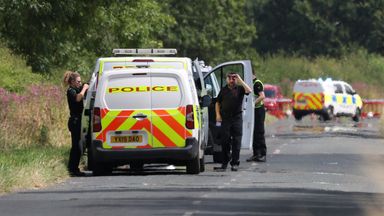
144,52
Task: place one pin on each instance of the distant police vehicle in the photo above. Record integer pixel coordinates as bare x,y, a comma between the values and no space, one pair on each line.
326,98
145,109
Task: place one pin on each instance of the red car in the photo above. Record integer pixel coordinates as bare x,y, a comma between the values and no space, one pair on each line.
275,103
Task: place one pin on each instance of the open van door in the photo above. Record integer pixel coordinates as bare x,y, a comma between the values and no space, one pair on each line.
216,80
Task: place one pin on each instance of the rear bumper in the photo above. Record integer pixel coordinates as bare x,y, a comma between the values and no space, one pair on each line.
163,155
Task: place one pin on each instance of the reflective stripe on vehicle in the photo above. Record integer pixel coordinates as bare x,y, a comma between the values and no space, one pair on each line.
165,128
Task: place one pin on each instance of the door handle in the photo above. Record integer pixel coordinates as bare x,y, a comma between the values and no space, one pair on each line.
140,116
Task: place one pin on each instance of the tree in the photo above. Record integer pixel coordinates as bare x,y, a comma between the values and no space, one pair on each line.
72,33
209,29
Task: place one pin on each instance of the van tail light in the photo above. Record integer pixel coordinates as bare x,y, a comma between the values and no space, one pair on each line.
190,119
322,98
96,119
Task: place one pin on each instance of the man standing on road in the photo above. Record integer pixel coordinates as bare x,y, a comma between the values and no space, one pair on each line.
229,115
259,146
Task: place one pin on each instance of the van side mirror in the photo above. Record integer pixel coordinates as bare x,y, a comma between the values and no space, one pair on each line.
206,101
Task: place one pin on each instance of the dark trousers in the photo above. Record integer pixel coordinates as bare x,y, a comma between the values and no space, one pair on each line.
259,146
74,126
231,134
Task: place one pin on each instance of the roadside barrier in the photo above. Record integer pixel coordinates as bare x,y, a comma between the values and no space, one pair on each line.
283,108
372,108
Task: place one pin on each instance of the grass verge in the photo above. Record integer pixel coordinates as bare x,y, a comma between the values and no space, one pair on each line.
32,167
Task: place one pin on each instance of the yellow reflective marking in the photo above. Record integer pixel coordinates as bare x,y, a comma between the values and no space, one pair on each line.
178,116
167,130
134,89
157,143
196,114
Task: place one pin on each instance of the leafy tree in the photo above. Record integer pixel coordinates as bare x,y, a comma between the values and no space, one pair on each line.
318,27
212,30
72,33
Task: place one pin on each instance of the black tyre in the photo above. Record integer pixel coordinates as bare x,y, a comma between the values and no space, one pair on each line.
328,114
89,159
202,164
356,117
193,166
297,116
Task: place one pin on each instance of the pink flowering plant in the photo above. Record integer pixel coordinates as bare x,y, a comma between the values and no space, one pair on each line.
38,116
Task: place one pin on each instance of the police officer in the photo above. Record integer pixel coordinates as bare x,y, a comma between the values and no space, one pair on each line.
229,114
259,146
75,95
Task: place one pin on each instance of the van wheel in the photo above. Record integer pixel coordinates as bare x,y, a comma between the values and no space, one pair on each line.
356,117
330,114
193,166
202,164
89,159
297,116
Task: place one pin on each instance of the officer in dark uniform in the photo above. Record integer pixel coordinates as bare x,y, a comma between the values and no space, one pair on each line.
75,95
259,146
229,114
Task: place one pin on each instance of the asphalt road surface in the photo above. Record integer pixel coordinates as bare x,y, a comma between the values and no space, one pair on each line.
312,168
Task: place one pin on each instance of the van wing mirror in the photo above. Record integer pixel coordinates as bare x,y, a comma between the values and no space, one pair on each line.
206,101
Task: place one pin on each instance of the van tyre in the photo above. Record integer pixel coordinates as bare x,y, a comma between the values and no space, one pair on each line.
297,116
202,164
89,159
193,166
329,113
357,115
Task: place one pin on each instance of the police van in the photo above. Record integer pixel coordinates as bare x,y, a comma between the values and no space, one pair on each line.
326,98
143,107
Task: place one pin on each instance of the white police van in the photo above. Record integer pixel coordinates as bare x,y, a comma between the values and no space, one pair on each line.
327,98
143,108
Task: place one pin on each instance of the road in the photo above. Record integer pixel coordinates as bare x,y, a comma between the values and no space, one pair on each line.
312,168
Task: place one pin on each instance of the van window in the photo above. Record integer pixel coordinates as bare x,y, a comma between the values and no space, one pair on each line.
222,72
166,92
210,85
338,89
348,90
128,93
128,64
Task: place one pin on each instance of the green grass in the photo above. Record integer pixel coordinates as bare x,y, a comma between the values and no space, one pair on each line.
32,167
15,74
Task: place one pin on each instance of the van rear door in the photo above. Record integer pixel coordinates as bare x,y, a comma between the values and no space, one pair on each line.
126,114
143,110
244,69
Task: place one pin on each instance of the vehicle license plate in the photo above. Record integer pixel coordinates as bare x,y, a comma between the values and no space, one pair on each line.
127,139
